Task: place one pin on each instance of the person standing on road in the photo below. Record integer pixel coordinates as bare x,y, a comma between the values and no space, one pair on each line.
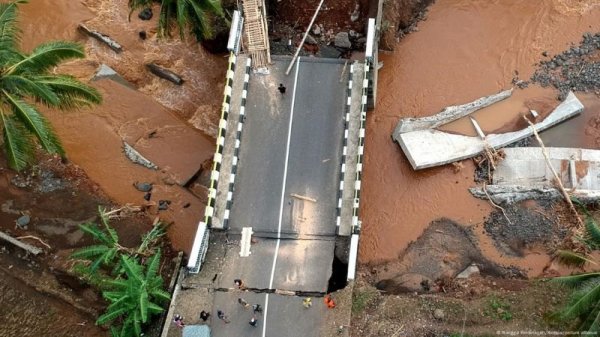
253,321
243,302
239,283
178,320
329,301
281,88
257,308
221,315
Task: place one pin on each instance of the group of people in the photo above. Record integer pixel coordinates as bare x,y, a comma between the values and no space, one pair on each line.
256,308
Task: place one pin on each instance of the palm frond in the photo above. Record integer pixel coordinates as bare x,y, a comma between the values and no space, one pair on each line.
152,266
143,305
96,233
574,281
118,284
116,302
201,21
22,86
213,6
35,123
582,300
46,56
90,252
163,18
182,18
9,31
111,315
592,230
137,324
154,308
570,258
160,295
19,146
132,268
70,91
590,324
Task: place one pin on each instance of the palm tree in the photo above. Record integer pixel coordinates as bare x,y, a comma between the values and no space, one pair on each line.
135,297
198,15
27,78
583,308
107,253
133,288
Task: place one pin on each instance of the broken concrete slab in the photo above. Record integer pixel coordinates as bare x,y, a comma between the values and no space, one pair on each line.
449,114
508,194
429,148
526,166
524,174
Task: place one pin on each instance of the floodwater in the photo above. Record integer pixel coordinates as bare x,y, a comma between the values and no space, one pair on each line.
93,137
463,51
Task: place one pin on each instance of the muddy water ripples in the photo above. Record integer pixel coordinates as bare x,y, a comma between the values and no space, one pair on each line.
462,51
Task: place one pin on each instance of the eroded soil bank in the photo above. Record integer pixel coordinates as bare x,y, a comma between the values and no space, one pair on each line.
490,44
93,137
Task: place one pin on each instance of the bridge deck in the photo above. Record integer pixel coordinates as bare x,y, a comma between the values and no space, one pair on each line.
291,146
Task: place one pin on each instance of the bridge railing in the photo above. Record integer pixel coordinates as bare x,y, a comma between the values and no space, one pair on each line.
198,252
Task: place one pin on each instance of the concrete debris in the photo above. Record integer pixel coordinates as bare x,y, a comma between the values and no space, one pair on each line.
449,114
311,40
137,158
342,40
508,194
317,30
356,13
523,174
429,148
470,270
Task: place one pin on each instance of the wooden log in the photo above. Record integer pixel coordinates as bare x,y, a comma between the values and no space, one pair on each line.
164,73
112,44
27,247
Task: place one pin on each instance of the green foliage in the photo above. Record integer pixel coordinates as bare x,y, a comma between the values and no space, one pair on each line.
498,308
583,308
361,299
194,15
134,297
27,78
128,277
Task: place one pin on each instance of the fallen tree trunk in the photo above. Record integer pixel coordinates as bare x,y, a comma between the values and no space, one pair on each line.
114,45
164,73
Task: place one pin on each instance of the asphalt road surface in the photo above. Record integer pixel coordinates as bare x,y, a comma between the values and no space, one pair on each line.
286,190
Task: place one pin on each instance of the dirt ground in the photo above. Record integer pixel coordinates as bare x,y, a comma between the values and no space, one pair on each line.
479,306
44,297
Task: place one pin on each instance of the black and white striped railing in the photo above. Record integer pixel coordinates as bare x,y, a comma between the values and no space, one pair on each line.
200,242
361,147
238,140
338,210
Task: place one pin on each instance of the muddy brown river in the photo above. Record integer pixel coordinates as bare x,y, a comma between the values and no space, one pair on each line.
463,51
